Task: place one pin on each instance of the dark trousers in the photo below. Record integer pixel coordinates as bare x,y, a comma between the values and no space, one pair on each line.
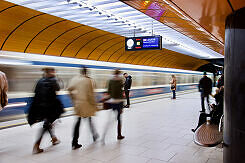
174,95
118,109
202,101
47,126
76,130
127,96
202,119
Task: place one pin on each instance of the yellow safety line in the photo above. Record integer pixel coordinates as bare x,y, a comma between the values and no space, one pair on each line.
12,125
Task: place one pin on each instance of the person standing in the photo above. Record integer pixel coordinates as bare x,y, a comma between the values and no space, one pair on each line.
173,86
127,86
205,87
82,95
220,81
3,90
45,106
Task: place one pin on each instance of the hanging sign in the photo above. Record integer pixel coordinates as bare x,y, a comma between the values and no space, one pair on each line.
143,43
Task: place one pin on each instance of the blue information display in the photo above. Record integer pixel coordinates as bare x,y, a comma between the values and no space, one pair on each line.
143,43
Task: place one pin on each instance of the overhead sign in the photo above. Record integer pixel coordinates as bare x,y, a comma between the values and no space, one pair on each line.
143,43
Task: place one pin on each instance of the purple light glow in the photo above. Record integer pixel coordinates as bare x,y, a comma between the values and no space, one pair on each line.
155,10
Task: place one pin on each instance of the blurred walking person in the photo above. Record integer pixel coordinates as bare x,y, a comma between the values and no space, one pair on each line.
115,93
45,106
82,95
127,86
205,87
173,86
3,90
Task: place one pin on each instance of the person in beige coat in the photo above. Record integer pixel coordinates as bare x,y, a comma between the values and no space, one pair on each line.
3,90
82,95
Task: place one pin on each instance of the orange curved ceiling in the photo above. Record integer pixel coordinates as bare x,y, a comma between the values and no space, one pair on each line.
201,20
29,31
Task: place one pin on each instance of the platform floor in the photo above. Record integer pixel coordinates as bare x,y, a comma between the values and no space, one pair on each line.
157,131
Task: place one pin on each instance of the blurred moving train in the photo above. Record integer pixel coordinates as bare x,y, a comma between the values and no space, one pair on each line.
23,70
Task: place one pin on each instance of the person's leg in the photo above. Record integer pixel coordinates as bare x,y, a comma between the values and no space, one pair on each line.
76,134
49,126
174,97
93,130
128,101
119,122
108,124
127,96
202,120
202,103
36,148
208,102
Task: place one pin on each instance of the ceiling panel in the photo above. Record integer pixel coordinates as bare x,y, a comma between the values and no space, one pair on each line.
29,31
202,20
181,16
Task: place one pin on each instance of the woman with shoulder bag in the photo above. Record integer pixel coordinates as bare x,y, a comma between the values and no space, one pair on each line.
173,86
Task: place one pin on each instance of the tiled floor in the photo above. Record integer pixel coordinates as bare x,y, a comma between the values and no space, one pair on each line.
155,132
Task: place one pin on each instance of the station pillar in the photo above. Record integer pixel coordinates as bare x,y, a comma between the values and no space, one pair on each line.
234,108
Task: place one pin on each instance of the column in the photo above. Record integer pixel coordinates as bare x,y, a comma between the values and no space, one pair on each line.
234,110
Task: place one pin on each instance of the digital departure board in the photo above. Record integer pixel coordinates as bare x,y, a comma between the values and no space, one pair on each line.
143,43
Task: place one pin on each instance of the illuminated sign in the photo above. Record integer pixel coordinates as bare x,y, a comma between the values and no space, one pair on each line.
143,43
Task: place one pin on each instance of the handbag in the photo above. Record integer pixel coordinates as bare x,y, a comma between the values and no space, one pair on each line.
172,87
106,106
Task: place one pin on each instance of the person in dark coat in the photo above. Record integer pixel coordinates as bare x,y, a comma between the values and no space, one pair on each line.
220,81
205,87
45,106
217,110
127,86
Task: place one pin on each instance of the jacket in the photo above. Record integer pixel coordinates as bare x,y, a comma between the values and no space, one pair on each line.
115,88
128,83
3,90
205,86
82,95
45,104
173,84
220,82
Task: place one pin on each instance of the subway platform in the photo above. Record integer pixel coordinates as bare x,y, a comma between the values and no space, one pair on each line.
156,131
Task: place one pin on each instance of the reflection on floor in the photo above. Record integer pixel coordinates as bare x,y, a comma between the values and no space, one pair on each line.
155,132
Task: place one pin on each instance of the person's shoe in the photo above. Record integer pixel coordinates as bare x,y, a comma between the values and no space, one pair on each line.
37,149
120,137
193,130
95,137
76,146
55,141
